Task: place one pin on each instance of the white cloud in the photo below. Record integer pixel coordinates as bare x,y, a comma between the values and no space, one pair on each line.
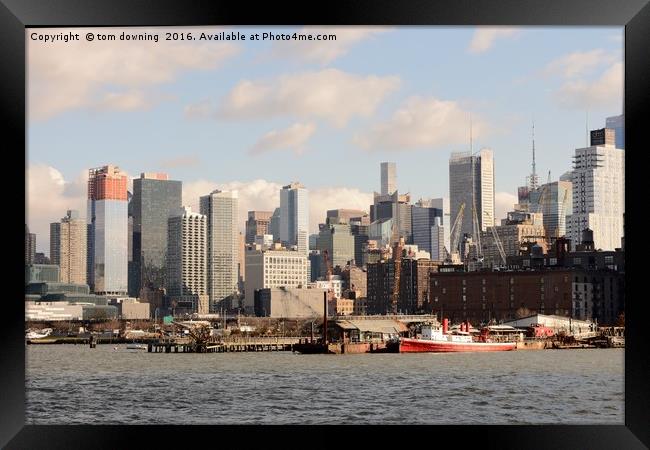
330,94
265,196
322,199
580,63
504,202
605,92
49,196
292,138
484,37
324,52
422,122
76,74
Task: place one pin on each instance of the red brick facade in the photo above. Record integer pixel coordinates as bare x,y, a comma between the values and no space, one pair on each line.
482,296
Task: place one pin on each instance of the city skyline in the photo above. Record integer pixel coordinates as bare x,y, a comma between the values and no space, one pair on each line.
322,147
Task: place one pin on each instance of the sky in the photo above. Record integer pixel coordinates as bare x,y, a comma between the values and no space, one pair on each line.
255,115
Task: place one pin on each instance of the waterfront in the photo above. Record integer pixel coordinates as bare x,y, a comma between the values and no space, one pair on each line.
74,384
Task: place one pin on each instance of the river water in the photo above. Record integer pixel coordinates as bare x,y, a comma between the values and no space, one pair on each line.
74,384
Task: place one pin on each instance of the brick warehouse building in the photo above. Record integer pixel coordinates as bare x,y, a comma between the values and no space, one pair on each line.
413,289
381,278
483,296
414,285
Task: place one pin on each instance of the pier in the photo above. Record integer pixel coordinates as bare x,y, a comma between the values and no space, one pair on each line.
253,344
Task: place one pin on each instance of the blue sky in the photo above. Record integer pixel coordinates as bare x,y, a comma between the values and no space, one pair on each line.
254,115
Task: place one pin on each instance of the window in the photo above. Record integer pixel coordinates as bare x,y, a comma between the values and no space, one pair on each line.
512,280
464,282
483,289
464,298
483,281
444,290
464,289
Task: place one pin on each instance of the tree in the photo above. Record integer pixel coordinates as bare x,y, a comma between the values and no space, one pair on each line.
199,335
522,312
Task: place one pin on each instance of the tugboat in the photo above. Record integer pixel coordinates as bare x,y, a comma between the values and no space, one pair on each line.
436,339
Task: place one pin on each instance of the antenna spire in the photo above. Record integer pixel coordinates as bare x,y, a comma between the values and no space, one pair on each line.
533,175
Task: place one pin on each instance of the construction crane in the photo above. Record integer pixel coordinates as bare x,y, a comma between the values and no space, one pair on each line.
477,232
541,201
497,240
328,265
328,268
455,234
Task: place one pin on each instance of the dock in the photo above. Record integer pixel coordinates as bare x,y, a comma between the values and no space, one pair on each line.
259,344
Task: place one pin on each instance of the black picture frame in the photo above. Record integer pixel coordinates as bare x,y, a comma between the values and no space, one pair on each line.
634,15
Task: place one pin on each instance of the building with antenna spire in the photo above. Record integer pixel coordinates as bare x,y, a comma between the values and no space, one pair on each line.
472,170
533,182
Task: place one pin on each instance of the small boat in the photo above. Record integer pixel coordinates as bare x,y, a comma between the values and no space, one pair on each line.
438,339
45,332
135,346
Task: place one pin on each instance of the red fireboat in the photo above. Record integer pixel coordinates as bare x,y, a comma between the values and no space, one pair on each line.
437,339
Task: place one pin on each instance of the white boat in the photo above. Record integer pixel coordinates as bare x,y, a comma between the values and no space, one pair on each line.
45,332
135,346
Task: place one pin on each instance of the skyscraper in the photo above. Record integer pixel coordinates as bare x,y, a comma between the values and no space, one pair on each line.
221,209
68,247
107,217
257,225
274,225
438,240
294,217
553,200
155,196
187,270
338,241
423,219
388,178
30,246
617,123
472,173
598,192
443,205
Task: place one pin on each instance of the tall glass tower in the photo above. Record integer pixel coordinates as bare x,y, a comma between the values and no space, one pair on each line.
155,197
471,181
221,209
107,231
294,217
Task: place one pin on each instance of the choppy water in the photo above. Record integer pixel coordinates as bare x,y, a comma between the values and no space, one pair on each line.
73,384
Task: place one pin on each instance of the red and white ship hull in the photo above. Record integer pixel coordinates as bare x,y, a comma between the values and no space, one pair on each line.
409,345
